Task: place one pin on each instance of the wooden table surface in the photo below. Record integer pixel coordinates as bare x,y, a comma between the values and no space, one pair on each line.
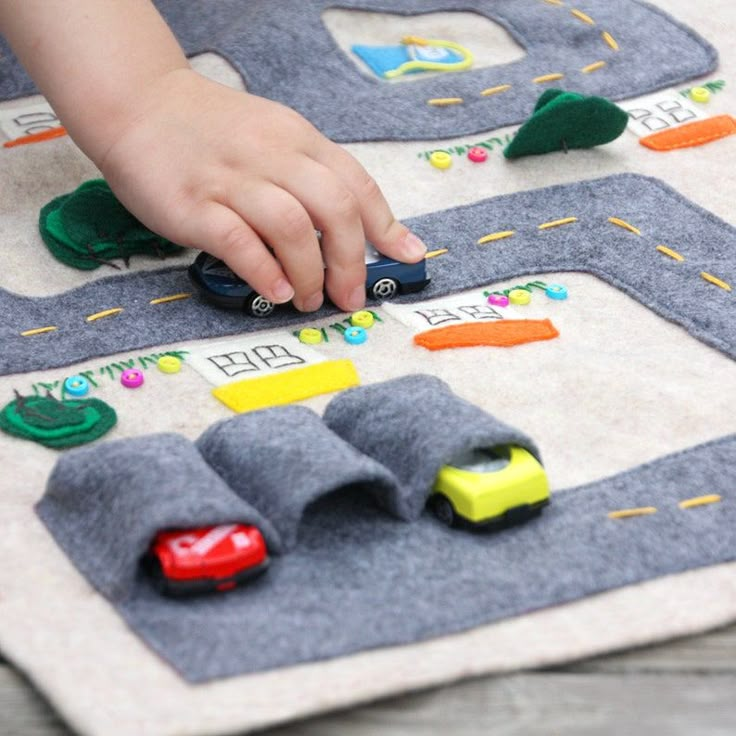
684,688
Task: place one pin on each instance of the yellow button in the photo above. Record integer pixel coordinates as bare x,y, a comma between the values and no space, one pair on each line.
440,159
169,364
310,336
519,296
699,94
362,319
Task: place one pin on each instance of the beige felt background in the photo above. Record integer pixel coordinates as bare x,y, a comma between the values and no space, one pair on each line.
621,386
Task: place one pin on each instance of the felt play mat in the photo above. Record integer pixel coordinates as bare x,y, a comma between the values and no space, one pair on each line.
624,389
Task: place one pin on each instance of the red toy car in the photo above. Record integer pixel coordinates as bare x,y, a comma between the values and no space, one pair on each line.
209,559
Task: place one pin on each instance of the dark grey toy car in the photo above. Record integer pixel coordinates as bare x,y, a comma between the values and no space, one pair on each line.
385,279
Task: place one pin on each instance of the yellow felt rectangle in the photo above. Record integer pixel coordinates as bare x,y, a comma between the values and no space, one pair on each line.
287,387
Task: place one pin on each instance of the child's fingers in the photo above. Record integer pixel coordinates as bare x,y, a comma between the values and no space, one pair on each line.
283,223
380,226
220,231
336,213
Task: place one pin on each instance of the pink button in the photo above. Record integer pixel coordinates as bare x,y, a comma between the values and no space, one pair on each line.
477,155
498,300
132,378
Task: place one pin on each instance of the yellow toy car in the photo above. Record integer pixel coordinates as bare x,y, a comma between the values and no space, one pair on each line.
498,486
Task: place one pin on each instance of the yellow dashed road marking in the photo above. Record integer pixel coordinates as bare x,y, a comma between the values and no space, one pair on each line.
38,331
172,298
106,313
557,223
690,503
593,67
496,236
583,16
610,40
627,513
671,253
495,90
714,280
548,78
445,101
625,225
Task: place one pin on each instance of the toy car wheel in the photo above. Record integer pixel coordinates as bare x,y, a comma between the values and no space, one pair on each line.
258,306
443,510
384,288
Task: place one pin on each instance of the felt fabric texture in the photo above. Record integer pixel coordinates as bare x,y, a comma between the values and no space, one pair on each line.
89,227
296,384
630,262
505,334
263,38
105,504
566,120
691,134
282,460
57,423
105,680
101,676
355,567
415,425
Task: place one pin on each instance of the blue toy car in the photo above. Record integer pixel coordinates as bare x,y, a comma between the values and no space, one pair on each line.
385,279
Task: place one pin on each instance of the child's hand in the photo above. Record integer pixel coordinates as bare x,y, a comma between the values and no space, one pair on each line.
199,163
227,172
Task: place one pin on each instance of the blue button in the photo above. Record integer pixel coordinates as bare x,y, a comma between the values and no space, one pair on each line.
76,386
355,335
556,291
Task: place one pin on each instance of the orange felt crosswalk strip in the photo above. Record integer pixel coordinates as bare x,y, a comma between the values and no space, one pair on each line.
502,334
45,135
691,134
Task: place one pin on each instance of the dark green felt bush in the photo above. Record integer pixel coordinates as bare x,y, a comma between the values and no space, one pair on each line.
89,227
565,120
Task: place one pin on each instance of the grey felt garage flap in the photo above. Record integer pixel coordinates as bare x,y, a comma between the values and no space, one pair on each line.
283,459
104,504
414,425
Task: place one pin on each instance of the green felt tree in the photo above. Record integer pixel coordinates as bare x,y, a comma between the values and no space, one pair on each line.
89,227
565,120
55,423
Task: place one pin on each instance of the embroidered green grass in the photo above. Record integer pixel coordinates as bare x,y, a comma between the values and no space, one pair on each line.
89,228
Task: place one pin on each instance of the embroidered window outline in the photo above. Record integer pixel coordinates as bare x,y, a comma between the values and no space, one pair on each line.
484,311
277,356
438,316
232,364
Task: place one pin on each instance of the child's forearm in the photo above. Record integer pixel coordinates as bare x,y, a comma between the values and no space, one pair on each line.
92,59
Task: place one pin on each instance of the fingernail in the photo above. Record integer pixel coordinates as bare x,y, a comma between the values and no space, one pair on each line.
356,299
313,303
283,291
413,246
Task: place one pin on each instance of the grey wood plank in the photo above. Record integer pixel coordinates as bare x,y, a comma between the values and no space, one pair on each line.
547,704
22,710
711,653
683,687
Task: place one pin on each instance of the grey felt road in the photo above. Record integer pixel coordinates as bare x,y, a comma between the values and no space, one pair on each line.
284,51
673,289
359,578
